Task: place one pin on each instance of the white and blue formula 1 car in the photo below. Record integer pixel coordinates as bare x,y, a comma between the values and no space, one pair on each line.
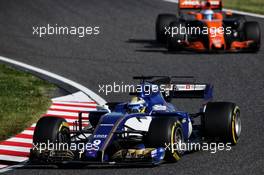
147,130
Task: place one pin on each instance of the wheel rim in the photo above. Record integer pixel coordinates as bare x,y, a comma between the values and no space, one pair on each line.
63,136
178,140
237,124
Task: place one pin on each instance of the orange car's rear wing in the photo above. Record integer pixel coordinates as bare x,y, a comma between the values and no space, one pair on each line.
199,4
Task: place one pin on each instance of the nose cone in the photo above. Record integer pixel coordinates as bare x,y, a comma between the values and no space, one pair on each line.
217,45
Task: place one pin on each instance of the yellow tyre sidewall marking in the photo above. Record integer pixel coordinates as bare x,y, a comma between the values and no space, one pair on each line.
63,124
175,154
233,125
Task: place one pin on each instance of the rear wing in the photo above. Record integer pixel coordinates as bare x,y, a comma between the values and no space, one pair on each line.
190,5
188,90
179,86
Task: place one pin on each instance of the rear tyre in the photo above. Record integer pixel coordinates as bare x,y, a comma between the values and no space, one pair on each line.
175,42
166,130
222,122
163,20
252,32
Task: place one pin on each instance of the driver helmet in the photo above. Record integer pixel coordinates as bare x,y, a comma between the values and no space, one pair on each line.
207,12
137,105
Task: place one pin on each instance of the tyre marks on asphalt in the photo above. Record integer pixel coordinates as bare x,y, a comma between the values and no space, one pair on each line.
16,149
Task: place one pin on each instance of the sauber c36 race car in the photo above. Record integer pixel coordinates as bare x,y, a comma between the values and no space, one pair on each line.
201,25
147,130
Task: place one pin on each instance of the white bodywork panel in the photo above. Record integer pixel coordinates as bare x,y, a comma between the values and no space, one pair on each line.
141,124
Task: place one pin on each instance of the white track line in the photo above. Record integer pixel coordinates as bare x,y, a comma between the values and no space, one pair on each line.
71,108
11,167
62,113
29,132
82,88
233,11
12,158
21,140
33,125
2,166
15,148
74,104
76,97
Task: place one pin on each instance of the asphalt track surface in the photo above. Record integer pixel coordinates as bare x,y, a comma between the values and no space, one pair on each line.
125,47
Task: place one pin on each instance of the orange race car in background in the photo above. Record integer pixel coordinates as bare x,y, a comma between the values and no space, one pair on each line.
201,25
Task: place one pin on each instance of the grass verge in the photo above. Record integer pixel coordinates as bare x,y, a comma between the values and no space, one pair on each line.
254,6
23,98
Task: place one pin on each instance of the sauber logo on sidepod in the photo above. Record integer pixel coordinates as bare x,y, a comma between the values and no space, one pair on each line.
100,136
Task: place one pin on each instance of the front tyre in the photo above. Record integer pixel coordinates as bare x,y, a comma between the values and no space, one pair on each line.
166,132
52,129
49,130
222,121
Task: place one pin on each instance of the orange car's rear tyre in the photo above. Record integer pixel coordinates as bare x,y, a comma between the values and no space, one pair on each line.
163,20
252,32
